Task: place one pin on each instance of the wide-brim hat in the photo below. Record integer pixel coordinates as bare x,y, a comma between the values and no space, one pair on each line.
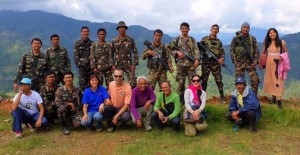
122,24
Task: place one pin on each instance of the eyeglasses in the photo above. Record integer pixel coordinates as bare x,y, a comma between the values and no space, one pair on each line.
195,80
118,76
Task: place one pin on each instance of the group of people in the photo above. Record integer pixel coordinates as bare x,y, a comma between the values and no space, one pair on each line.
47,94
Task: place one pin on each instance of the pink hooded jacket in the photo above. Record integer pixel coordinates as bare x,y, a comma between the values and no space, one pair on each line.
284,65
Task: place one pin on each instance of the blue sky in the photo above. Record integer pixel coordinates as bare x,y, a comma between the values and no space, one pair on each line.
168,14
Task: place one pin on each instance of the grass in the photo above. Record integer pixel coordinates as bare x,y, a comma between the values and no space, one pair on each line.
278,133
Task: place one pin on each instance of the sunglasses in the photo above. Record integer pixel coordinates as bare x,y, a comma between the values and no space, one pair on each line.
118,76
195,80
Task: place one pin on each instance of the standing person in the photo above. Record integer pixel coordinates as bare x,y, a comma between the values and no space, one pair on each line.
48,95
101,58
244,107
275,48
58,58
166,107
33,65
157,72
82,57
68,101
120,94
195,101
93,102
211,65
125,53
142,101
27,107
244,54
185,66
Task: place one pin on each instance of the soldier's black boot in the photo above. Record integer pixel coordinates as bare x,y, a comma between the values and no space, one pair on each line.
279,104
274,99
65,129
222,97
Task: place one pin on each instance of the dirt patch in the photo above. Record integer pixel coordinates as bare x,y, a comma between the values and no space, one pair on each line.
5,105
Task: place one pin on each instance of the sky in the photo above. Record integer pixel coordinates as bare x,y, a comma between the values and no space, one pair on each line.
168,14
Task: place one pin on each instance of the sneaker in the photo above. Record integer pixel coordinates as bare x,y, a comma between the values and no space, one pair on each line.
18,135
148,127
31,128
65,131
222,100
99,129
111,129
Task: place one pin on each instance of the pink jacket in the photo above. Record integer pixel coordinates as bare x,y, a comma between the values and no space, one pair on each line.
284,65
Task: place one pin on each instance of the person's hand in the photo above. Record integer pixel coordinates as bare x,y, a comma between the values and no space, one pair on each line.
221,61
195,115
165,120
234,115
196,63
115,120
151,52
101,107
147,106
180,54
161,116
139,123
38,123
85,117
73,108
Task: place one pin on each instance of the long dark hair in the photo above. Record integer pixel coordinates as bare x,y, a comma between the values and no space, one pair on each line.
267,41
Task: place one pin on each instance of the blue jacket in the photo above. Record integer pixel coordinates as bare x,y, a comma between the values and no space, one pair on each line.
250,101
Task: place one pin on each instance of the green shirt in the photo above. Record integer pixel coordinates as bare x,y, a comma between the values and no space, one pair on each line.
173,97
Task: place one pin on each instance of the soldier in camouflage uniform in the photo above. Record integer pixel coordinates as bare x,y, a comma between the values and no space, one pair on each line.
47,93
58,58
211,65
68,101
245,56
123,48
185,66
157,72
82,57
101,58
33,65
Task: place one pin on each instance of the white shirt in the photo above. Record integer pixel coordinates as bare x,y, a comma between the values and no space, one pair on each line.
30,103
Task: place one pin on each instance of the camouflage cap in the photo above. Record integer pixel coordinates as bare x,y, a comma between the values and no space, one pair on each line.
121,24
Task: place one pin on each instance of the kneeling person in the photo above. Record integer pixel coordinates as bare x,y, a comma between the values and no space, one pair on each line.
166,107
142,101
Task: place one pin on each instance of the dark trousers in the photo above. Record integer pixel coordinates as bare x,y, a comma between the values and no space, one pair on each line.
175,121
110,111
22,116
248,117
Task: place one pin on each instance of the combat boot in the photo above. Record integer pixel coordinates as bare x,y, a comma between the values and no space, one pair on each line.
222,98
279,104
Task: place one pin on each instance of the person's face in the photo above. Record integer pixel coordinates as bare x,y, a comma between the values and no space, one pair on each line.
240,87
245,30
166,88
214,30
55,41
157,37
122,30
142,84
68,79
184,30
102,35
118,76
24,87
50,79
36,45
196,81
272,34
94,82
85,33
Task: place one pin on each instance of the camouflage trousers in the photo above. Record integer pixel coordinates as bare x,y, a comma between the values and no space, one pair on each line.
240,69
129,74
83,77
66,116
50,111
182,73
105,74
156,76
215,69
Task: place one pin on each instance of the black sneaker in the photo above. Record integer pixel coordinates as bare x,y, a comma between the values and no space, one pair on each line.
65,131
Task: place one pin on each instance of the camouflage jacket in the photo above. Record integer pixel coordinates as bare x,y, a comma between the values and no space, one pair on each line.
62,96
153,62
82,53
238,52
58,59
33,67
213,44
101,56
122,51
48,96
190,45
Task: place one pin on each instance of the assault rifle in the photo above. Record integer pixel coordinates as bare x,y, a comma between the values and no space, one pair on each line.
183,50
246,47
158,56
212,55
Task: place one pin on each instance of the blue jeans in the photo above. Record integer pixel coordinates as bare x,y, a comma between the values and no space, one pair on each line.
93,116
22,116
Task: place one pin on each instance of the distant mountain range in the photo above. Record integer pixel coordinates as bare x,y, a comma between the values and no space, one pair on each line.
18,28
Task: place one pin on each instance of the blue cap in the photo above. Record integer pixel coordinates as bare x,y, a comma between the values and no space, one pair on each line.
240,80
25,81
